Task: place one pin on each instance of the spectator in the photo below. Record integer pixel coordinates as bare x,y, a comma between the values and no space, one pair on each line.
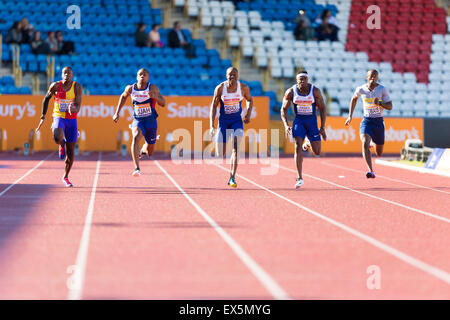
300,31
303,30
155,38
177,39
64,47
52,42
15,33
140,36
38,46
328,27
27,30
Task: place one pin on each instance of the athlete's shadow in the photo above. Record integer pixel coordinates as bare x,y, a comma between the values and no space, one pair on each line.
16,206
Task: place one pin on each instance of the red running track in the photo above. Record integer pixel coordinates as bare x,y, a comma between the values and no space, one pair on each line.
178,232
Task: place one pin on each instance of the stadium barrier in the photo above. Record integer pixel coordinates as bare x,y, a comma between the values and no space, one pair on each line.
20,113
439,160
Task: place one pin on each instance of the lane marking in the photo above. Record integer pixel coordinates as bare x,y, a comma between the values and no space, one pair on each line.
384,177
425,213
434,271
264,278
76,290
26,174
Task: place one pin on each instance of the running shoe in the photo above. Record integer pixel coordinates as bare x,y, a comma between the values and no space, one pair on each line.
62,151
232,182
306,144
136,173
142,154
67,183
299,183
370,174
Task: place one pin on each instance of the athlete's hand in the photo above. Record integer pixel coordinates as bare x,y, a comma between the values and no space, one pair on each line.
40,125
247,118
288,132
323,133
212,131
115,117
376,101
72,108
347,122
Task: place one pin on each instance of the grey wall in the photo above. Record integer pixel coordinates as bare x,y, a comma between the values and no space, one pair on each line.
437,132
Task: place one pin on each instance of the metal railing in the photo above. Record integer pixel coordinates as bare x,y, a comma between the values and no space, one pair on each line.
50,69
17,69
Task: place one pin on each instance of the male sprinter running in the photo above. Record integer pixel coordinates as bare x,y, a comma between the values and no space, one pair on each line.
67,104
375,98
229,95
144,96
305,98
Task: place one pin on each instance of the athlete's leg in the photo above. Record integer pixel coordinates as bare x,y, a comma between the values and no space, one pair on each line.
137,136
365,140
316,147
234,159
58,136
379,149
298,156
70,155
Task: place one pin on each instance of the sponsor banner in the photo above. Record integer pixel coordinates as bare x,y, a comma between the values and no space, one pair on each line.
19,116
345,139
443,164
434,158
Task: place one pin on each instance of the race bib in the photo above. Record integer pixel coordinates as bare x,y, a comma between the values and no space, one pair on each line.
64,105
231,109
372,110
143,110
304,107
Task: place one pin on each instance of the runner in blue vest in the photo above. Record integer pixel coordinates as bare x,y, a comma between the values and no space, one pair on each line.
144,96
229,95
305,98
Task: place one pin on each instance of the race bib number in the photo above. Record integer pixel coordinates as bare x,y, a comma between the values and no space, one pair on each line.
372,110
64,105
231,109
304,109
143,110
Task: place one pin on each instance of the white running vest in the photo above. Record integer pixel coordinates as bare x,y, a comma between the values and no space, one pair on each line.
304,105
232,101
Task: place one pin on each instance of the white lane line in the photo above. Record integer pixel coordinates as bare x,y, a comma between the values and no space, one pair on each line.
434,271
76,289
425,213
266,280
26,174
384,177
412,168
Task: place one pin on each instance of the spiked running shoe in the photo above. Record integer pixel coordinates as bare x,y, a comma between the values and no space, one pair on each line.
232,182
67,183
370,175
62,151
299,183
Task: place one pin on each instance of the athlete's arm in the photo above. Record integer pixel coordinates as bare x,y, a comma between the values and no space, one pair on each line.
213,110
322,110
384,105
75,107
284,110
50,92
123,98
155,94
248,97
351,109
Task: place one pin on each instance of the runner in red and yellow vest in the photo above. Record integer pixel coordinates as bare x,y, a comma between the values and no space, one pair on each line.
67,104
